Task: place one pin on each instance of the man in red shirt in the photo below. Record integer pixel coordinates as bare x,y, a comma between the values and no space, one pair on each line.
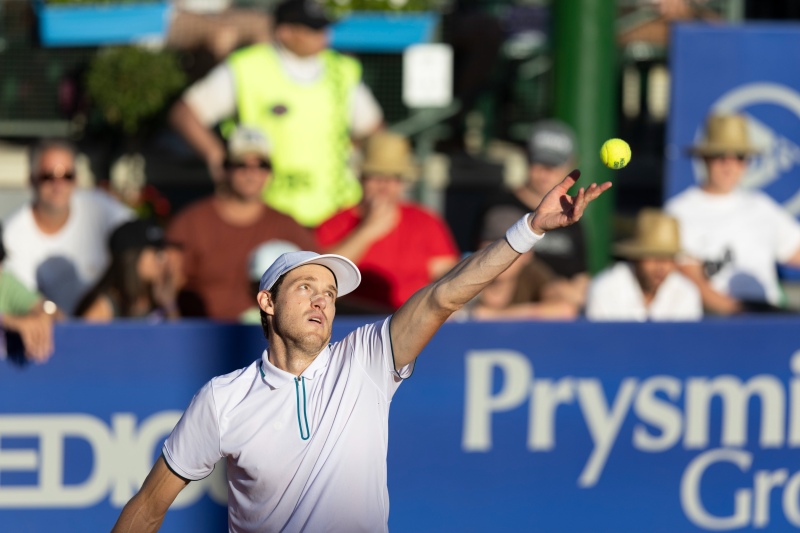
217,234
399,246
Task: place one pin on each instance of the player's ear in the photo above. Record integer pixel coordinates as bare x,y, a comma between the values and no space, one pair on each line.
265,302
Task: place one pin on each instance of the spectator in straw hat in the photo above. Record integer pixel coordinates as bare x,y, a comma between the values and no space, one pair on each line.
734,237
646,285
399,246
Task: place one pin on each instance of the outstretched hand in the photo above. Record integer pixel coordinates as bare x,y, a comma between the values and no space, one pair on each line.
558,209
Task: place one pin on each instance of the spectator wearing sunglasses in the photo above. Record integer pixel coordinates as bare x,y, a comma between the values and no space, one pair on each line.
216,235
57,244
733,236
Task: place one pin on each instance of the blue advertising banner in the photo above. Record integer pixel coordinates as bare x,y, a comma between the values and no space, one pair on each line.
555,427
749,69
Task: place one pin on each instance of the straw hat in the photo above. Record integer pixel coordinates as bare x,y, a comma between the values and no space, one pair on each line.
388,154
725,134
656,234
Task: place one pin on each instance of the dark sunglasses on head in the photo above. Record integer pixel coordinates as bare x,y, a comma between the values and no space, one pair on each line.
50,176
263,165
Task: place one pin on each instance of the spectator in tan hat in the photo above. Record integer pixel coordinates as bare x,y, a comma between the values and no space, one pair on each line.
218,233
399,246
734,237
647,285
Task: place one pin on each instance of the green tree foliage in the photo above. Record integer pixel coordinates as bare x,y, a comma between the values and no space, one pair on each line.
130,84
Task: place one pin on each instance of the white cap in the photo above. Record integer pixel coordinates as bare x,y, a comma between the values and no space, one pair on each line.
248,140
346,273
265,254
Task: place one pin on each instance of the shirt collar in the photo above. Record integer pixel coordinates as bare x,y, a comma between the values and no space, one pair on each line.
277,378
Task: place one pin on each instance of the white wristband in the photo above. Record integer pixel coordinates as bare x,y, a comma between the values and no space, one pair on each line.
521,237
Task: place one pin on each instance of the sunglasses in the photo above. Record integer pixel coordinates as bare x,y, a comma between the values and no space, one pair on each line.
262,165
52,176
738,157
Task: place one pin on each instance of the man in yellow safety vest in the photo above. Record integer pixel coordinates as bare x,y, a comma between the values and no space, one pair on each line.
308,99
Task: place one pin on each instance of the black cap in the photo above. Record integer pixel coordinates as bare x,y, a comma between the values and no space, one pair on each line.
308,13
136,234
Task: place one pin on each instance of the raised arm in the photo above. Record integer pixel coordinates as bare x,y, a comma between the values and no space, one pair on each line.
145,511
415,323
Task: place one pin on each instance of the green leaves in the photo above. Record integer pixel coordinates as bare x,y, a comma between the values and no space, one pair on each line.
130,84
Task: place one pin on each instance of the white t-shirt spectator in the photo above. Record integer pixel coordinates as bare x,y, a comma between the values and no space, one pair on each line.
213,98
303,454
615,295
740,237
62,266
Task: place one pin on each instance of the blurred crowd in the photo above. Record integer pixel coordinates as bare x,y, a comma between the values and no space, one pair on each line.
301,159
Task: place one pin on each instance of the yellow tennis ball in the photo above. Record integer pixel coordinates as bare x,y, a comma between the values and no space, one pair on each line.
615,153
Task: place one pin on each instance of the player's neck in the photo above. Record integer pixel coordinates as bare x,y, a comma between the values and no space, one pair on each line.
288,357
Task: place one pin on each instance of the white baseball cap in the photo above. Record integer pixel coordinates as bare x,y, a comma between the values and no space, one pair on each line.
345,271
248,140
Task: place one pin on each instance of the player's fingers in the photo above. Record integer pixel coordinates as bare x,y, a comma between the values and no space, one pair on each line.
569,180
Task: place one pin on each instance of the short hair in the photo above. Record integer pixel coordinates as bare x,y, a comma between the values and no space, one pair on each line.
273,291
46,145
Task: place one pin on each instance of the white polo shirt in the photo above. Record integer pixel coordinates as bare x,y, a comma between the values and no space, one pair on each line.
305,453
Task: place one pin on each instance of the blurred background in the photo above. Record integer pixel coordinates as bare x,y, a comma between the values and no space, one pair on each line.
507,56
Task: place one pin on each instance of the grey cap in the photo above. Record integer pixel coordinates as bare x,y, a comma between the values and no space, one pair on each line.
551,143
347,275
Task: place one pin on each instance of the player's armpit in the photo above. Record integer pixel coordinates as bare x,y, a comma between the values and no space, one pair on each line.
145,511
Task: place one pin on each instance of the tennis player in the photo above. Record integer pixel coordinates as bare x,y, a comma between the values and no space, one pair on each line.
304,429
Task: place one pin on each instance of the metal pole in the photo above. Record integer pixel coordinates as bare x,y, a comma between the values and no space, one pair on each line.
585,96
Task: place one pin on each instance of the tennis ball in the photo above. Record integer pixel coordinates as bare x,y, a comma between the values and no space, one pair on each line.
615,153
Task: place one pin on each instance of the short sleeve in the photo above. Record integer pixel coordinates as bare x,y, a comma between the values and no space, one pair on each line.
114,211
179,232
372,348
366,113
193,447
15,298
213,98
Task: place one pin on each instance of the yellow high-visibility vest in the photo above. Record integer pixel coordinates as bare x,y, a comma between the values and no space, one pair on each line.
308,127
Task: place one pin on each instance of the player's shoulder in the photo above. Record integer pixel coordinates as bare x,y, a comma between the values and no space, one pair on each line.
233,385
362,337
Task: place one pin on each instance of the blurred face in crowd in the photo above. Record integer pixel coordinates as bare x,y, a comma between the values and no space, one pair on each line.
382,187
54,180
152,265
247,177
542,178
301,40
724,172
652,271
